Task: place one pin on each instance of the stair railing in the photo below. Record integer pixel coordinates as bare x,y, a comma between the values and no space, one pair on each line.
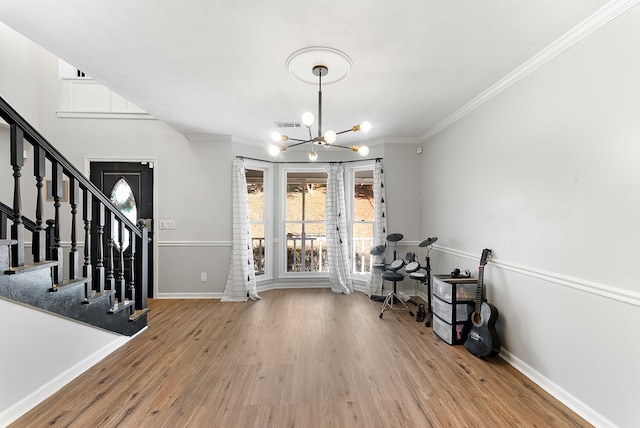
46,242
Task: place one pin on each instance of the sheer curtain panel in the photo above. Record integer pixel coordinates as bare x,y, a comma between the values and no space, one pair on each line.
241,280
336,230
374,286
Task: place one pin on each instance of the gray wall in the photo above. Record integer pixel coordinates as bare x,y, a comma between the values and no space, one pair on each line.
547,175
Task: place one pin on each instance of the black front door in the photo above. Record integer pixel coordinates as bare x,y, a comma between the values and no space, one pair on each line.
137,177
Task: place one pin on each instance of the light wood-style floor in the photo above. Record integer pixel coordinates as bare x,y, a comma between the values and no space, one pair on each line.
297,358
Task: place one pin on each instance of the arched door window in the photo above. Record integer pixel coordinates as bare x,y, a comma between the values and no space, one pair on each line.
122,198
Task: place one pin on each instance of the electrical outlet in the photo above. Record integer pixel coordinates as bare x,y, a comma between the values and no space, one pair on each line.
203,277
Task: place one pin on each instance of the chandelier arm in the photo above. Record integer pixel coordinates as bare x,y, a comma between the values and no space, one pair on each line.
342,147
344,132
300,142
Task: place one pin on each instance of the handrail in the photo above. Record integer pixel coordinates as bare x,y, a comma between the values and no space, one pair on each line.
32,135
30,225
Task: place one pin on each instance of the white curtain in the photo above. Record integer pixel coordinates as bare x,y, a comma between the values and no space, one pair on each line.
374,286
241,280
336,231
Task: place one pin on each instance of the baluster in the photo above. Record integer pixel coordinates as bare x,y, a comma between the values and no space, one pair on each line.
143,262
49,238
87,214
17,228
111,281
132,266
74,257
121,281
100,277
58,192
3,225
39,241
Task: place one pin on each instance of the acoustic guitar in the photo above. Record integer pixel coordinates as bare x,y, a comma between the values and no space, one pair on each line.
482,340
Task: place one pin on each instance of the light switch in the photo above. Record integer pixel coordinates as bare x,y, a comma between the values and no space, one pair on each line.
167,224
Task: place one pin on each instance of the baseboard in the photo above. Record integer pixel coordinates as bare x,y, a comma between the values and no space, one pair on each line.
557,392
216,295
12,413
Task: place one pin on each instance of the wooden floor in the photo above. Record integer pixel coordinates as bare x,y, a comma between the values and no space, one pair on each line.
297,358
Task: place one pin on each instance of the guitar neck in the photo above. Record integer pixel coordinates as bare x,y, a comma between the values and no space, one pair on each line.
480,289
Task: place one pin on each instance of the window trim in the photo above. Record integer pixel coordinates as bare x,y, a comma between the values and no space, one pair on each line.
283,221
350,182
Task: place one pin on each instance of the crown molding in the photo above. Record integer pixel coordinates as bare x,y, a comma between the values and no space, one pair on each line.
608,12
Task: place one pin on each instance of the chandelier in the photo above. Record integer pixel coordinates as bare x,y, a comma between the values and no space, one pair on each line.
326,139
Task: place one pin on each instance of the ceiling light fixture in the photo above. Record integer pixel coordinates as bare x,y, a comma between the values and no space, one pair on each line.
327,139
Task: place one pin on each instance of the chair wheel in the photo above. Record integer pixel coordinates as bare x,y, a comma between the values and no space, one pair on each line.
380,315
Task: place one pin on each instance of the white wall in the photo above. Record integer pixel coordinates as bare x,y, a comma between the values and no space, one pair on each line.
18,73
547,174
30,372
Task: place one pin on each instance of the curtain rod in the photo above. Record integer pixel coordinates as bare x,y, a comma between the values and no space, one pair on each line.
309,162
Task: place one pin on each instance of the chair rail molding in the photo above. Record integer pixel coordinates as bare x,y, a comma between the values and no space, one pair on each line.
603,290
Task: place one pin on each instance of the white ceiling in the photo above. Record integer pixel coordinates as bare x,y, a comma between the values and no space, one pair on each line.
218,67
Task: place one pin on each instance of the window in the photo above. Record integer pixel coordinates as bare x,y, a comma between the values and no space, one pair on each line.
304,221
362,219
122,198
256,200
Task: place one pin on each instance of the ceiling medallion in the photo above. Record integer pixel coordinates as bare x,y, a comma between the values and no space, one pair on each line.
300,62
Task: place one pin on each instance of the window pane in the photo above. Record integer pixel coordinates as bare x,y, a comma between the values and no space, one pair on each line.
255,193
363,218
363,196
259,241
362,243
122,198
306,194
255,198
306,247
294,203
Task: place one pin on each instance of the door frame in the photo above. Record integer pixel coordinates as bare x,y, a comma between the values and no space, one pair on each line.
154,161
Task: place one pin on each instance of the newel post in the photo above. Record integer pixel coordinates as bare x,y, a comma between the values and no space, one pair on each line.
143,264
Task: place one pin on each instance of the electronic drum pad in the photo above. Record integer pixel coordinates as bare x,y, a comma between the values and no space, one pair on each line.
377,250
395,237
427,242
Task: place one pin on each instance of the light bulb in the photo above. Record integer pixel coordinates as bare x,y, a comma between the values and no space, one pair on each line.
365,126
274,150
363,150
307,119
276,137
330,137
313,156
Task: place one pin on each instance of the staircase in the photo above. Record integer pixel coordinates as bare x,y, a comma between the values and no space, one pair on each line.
109,289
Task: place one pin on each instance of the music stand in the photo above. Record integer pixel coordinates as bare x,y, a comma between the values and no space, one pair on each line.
428,243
